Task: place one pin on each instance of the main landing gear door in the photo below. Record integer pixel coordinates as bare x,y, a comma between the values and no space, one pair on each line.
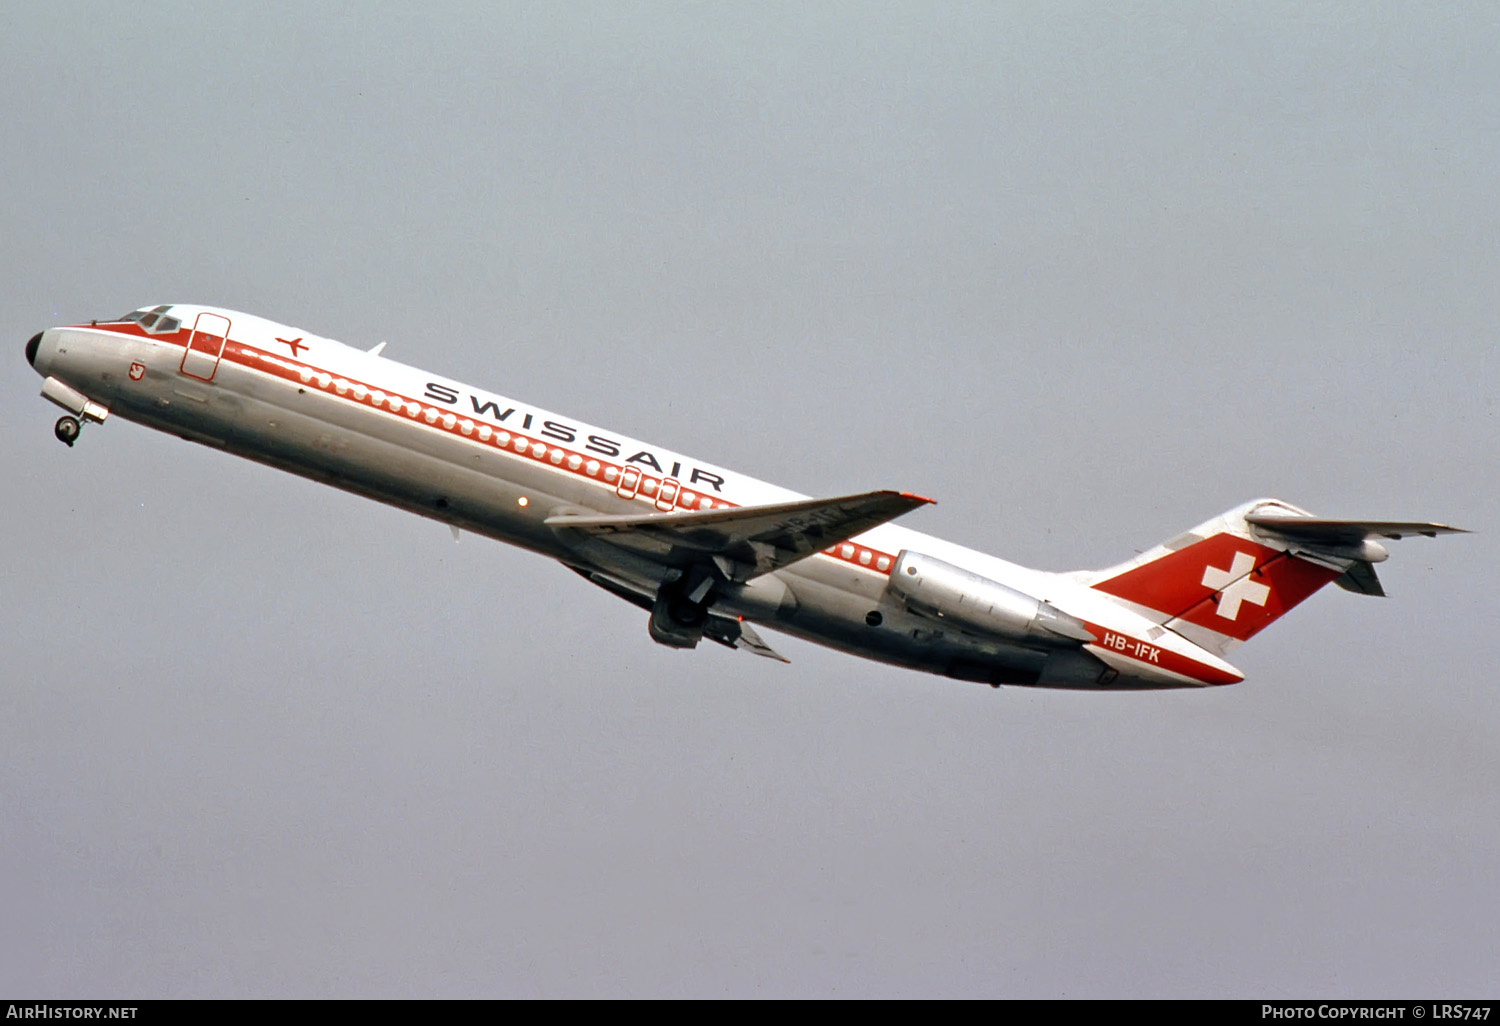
201,357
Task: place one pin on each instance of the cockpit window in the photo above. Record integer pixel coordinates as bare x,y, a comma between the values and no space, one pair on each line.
153,320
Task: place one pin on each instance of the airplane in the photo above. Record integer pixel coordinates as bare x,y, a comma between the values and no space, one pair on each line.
704,551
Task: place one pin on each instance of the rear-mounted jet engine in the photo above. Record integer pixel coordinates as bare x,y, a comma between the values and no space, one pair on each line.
930,587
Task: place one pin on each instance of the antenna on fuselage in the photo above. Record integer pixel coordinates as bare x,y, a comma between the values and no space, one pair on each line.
377,349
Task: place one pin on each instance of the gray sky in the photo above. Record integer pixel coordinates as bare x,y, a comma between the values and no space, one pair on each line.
1087,276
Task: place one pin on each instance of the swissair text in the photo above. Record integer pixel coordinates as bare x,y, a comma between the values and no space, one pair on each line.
449,396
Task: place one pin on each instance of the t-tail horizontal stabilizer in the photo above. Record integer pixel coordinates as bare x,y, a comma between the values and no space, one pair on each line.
1229,578
1345,532
1339,541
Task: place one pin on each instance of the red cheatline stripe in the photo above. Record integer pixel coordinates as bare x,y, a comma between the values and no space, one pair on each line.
517,444
1149,653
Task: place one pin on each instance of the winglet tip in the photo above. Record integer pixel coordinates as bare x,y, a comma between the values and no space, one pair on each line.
918,498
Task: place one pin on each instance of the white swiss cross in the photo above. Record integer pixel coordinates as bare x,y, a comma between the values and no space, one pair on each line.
1243,589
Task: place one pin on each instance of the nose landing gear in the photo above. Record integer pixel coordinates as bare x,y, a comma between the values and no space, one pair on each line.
79,406
67,430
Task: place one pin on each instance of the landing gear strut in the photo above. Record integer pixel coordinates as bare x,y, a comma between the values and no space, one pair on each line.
66,430
79,406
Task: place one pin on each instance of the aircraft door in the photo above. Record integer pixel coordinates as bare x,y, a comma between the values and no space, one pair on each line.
666,494
201,357
630,482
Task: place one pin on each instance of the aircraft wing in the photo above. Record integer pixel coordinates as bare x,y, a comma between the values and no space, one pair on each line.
744,542
1314,530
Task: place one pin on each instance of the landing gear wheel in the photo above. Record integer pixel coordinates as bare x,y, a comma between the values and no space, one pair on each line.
66,430
687,613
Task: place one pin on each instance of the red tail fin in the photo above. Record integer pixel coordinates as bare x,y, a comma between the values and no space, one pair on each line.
1226,583
1227,580
1217,585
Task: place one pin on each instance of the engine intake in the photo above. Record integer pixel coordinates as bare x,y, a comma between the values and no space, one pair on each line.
930,587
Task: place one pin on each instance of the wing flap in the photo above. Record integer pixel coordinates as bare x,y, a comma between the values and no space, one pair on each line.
739,634
618,588
744,542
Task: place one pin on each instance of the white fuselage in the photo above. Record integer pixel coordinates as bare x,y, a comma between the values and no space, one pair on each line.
499,467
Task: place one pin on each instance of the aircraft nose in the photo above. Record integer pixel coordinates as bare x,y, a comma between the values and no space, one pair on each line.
31,347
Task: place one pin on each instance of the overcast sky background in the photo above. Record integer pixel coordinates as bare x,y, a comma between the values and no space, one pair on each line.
1088,275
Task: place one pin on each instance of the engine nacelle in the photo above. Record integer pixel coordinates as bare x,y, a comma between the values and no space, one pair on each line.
931,587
